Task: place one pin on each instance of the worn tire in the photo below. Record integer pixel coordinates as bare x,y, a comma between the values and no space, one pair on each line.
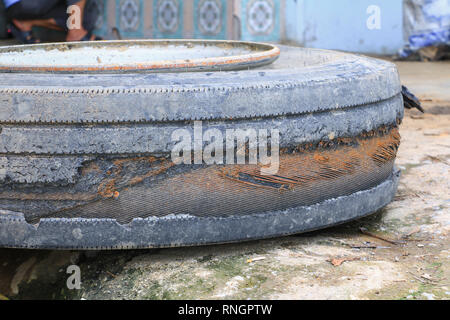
86,164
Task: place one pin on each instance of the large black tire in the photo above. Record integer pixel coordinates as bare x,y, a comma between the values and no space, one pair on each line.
86,164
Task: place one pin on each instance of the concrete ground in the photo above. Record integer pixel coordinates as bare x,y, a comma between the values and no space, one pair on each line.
412,262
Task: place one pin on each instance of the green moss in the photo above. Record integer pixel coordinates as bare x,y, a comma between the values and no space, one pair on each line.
157,292
228,267
205,258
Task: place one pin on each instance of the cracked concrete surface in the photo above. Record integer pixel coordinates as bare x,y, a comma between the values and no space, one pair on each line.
338,263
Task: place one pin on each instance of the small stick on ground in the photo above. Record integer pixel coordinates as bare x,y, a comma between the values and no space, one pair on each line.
111,274
338,261
368,247
373,235
423,280
439,159
409,234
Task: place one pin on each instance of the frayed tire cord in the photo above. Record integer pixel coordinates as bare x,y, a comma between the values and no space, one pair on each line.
184,230
72,178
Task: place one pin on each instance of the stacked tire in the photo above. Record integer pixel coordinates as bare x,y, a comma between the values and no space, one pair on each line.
86,158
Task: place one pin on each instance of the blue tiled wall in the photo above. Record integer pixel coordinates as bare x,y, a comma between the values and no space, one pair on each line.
208,26
260,20
328,24
129,17
101,7
171,25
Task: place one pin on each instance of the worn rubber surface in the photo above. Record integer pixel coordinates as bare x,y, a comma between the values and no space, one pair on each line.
85,159
301,81
184,230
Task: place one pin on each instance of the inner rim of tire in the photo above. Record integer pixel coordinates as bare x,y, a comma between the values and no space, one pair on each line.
137,55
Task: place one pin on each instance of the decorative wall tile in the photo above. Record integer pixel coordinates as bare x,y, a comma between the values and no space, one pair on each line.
210,18
129,15
168,18
100,8
257,20
129,18
261,17
260,20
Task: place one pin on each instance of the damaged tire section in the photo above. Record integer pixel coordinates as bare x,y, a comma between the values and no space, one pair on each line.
85,159
181,230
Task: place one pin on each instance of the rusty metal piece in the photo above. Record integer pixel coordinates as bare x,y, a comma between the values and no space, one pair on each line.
331,160
137,56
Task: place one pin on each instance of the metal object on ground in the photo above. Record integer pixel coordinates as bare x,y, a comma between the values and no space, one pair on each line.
87,159
137,56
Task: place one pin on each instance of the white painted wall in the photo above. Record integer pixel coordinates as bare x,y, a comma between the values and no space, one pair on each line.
346,24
